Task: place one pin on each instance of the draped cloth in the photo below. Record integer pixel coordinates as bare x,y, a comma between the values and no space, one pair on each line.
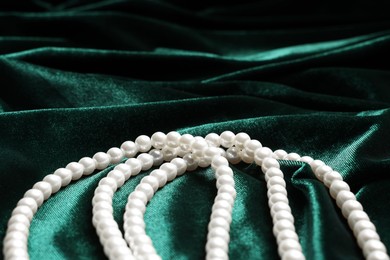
78,77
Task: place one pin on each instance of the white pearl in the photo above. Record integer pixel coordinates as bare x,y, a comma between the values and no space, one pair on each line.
169,153
210,152
287,245
251,146
115,154
225,180
180,164
129,148
378,255
152,181
173,139
273,171
186,141
286,234
365,235
137,194
222,213
233,155
16,253
158,157
100,216
65,174
292,157
146,188
35,194
227,139
306,159
221,204
219,232
228,189
134,231
216,242
191,162
356,216
102,160
15,235
121,252
101,197
274,189
293,255
104,189
125,169
219,222
144,250
219,161
330,177
280,154
261,153
161,176
213,139
373,245
144,143
338,186
283,214
321,171
135,221
109,182
141,239
203,161
102,205
106,223
19,219
158,140
216,253
223,170
278,197
245,157
315,164
130,212
149,257
282,224
225,196
136,203
349,206
18,227
55,182
362,224
89,165
240,140
170,170
279,206
199,146
117,176
29,202
77,170
343,196
135,165
13,244
45,187
24,210
146,160
276,180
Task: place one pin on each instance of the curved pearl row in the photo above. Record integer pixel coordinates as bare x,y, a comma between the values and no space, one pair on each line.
15,242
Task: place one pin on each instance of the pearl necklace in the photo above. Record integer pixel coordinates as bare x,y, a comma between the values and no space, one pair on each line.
185,153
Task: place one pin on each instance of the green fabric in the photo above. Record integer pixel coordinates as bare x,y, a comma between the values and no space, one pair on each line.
78,77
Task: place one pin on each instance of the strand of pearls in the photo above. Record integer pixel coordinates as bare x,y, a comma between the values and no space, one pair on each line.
195,151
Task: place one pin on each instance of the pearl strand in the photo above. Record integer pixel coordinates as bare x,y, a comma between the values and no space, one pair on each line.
368,240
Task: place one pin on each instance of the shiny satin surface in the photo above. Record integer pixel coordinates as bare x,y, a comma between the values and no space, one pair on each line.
78,77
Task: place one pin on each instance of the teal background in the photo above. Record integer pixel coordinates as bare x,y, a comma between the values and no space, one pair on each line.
312,77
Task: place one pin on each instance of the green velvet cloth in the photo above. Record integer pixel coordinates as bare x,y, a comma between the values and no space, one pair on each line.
78,77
